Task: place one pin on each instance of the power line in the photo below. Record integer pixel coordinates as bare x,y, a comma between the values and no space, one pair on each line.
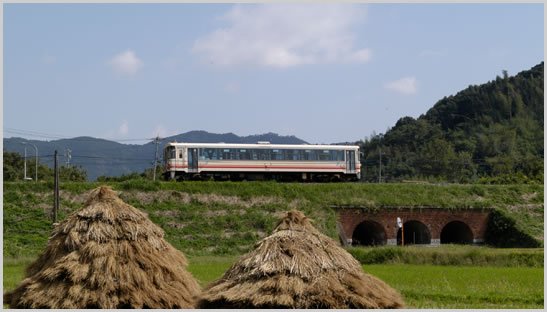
60,137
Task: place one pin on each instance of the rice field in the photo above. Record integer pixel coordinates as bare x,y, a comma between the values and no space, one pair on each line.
464,287
429,287
422,286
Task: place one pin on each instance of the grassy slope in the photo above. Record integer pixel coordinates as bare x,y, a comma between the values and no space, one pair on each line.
203,218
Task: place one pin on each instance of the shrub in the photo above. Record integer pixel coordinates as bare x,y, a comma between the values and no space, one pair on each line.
502,232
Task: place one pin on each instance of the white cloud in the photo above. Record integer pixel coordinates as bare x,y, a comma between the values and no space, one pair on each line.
284,35
126,63
124,128
406,85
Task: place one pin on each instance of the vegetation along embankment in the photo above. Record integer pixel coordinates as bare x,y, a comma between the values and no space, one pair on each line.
227,218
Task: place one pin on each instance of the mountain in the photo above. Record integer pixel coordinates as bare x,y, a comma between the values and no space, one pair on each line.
102,157
491,132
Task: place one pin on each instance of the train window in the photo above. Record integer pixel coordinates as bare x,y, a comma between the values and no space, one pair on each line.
276,155
291,154
324,155
263,154
171,152
296,155
211,153
180,154
233,154
244,155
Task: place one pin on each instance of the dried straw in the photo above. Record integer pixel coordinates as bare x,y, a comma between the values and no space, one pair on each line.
298,267
107,254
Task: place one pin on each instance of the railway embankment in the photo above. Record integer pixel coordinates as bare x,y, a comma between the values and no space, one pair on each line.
222,218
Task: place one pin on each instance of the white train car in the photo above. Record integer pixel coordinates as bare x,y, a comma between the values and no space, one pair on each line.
261,161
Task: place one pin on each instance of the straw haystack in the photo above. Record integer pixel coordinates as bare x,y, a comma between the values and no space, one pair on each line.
107,254
298,267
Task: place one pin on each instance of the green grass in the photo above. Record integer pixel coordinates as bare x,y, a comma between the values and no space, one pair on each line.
362,194
422,286
199,227
461,255
208,268
14,271
451,287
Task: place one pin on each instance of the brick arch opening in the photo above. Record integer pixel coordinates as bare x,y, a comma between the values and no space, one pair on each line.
369,233
415,233
456,232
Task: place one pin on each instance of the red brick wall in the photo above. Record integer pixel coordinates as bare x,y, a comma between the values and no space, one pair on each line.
434,218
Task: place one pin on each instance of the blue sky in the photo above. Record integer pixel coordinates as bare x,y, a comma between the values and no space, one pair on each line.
325,73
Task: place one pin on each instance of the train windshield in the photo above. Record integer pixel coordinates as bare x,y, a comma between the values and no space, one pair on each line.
170,152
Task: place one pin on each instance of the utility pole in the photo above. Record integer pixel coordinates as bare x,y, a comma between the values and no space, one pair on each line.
156,155
36,165
380,165
56,191
25,166
403,236
380,171
68,157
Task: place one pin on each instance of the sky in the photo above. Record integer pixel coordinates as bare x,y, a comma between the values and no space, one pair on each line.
323,72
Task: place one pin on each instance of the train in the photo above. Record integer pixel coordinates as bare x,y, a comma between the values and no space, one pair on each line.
261,161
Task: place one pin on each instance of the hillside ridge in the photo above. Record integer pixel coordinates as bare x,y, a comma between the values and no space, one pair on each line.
488,133
103,157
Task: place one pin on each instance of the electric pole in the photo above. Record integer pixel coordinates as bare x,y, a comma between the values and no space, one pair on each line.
56,191
68,157
380,171
156,155
36,160
25,166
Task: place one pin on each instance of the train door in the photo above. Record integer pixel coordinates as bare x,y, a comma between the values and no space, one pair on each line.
350,161
192,159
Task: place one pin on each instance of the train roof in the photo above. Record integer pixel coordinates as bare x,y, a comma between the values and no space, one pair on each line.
264,145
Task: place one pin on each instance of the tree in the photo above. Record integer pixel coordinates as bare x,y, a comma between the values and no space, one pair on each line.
487,130
14,167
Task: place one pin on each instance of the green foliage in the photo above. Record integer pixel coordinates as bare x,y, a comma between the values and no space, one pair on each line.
375,255
484,133
503,232
74,174
449,255
461,287
14,170
147,174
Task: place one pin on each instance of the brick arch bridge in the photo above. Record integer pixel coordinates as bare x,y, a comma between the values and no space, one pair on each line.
426,226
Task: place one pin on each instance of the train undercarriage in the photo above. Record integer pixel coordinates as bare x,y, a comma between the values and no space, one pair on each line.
259,176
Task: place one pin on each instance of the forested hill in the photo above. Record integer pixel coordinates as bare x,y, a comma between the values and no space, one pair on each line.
489,133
